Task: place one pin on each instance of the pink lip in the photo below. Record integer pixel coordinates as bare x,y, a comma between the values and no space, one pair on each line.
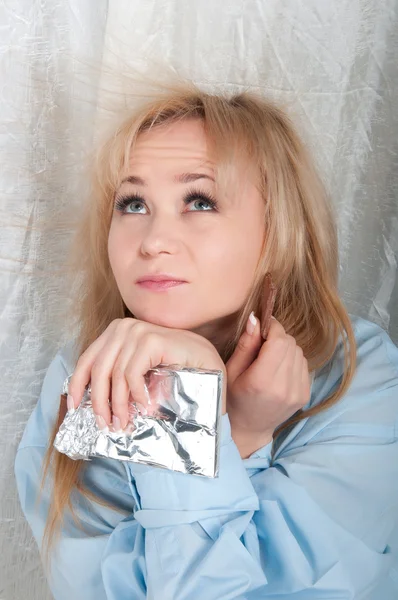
159,277
159,285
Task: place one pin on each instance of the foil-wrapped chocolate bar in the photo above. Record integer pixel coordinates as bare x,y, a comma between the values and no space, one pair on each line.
181,431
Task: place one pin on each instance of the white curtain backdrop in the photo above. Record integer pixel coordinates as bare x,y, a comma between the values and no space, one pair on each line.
333,64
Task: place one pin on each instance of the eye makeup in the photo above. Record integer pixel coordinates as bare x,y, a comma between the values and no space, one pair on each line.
124,200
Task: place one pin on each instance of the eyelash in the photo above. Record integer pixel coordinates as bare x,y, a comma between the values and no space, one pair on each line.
122,202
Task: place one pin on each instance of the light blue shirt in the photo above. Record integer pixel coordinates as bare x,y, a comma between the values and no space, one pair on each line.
318,521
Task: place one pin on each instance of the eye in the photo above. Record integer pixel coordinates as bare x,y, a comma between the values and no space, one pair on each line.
201,197
134,200
124,201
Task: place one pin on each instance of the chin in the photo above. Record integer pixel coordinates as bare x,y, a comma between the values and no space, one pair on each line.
173,321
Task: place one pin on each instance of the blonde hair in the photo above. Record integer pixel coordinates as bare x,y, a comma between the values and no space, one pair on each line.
300,247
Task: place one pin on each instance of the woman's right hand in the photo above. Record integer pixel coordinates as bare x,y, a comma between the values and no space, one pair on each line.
116,362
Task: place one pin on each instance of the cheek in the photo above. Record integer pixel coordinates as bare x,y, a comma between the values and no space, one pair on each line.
117,250
232,258
111,247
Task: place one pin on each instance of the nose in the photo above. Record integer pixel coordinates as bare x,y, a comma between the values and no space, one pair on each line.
160,235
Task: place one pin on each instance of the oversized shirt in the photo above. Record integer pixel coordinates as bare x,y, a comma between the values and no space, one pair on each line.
316,519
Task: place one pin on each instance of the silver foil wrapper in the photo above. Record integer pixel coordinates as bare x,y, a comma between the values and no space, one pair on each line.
181,431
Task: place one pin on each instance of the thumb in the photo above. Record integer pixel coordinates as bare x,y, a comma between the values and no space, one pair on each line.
246,350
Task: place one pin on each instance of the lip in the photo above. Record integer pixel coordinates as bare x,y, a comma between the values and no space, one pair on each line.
160,277
160,286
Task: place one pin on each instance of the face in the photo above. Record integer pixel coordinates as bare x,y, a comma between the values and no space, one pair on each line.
168,224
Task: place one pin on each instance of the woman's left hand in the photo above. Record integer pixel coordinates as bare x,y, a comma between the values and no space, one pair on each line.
267,382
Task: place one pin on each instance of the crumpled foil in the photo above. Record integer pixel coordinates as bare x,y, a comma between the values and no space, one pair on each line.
181,431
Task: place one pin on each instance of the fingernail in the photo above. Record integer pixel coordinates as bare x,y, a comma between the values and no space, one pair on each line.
141,408
251,323
70,404
272,317
101,423
117,426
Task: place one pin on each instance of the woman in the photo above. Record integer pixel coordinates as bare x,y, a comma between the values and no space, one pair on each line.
215,193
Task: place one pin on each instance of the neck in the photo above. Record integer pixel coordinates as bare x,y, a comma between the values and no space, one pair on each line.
218,332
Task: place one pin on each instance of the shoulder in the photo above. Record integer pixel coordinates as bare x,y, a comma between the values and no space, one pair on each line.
44,414
61,366
377,363
68,355
368,407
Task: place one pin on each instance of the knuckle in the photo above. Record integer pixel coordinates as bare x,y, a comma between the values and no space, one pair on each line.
116,323
96,369
280,344
81,361
290,339
150,339
117,372
241,345
125,323
139,327
130,377
254,387
252,390
280,391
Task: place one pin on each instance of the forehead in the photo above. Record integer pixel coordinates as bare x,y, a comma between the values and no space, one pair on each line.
183,141
170,149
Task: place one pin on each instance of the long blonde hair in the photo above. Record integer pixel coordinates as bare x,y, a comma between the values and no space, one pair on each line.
300,247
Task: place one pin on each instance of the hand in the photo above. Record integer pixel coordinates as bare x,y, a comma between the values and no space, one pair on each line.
267,382
118,360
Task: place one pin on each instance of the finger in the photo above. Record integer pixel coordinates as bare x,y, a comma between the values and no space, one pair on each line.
147,356
276,329
297,390
101,377
82,374
120,390
284,372
273,351
245,353
119,400
159,386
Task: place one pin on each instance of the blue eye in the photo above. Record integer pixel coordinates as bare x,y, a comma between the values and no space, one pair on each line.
123,202
203,197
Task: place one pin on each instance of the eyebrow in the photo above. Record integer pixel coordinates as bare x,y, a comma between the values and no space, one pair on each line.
183,178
